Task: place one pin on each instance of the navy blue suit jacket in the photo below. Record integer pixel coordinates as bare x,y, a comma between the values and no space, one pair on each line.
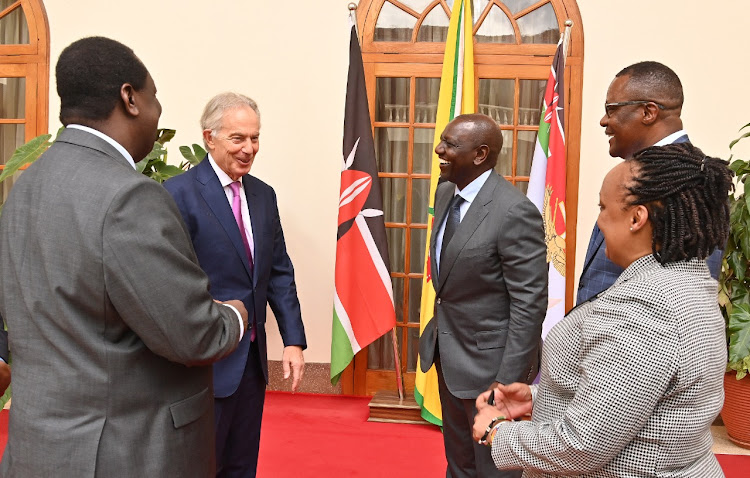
599,273
218,245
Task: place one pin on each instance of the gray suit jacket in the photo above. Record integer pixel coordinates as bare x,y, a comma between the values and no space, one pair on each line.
491,291
110,321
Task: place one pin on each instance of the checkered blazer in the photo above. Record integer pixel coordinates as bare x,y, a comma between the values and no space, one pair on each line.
630,383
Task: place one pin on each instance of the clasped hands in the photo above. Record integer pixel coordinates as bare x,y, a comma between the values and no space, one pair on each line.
510,401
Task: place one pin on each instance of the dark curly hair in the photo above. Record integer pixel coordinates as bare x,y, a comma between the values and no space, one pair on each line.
90,73
687,197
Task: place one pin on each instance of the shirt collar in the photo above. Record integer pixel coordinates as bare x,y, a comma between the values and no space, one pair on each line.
671,138
469,193
224,178
106,138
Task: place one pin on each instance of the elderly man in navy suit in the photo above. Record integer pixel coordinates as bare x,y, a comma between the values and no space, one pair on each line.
642,109
234,223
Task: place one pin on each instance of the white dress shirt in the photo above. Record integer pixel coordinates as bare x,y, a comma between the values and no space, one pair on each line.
469,193
225,181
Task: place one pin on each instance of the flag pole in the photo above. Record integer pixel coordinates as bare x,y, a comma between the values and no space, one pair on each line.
353,17
396,355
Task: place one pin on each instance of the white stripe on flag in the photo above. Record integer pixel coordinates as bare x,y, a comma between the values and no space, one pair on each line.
345,322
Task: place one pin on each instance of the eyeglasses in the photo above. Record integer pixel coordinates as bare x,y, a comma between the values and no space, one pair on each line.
609,108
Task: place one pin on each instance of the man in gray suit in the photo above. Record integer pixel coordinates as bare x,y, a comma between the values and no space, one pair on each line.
490,277
110,321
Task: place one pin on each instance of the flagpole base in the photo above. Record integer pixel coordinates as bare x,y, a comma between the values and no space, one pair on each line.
386,407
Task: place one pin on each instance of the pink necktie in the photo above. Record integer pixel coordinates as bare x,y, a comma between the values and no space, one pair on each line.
237,211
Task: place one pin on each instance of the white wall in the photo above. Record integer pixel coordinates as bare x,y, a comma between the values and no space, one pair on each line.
292,58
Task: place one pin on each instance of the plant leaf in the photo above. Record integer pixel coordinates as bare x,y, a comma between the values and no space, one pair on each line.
193,156
26,154
165,135
739,332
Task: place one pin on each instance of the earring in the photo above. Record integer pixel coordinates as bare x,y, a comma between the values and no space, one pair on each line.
631,229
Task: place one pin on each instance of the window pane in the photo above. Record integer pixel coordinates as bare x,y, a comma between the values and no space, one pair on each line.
412,349
396,255
496,28
418,238
392,100
415,299
539,26
11,137
380,352
13,27
516,6
496,99
394,200
504,165
393,24
423,141
530,96
417,5
523,186
526,144
435,26
12,98
420,192
427,91
479,6
392,149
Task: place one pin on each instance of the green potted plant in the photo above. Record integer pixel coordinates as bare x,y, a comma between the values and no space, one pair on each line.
734,300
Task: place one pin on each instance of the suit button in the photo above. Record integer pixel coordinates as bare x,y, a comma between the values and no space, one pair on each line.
438,301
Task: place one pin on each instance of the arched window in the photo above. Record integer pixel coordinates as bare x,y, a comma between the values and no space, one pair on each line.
402,47
24,76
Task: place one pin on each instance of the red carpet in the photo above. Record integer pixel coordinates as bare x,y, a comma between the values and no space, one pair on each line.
314,436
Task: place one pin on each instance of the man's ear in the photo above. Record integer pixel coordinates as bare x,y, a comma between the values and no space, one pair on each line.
127,96
208,138
482,152
650,113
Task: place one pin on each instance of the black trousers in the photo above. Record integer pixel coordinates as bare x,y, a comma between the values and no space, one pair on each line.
466,458
238,418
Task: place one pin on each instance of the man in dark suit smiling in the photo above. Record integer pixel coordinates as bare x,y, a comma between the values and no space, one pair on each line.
234,223
490,280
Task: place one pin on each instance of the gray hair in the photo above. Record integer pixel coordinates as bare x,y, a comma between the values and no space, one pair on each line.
216,106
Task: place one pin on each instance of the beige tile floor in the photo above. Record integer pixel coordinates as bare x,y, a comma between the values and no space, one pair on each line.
722,444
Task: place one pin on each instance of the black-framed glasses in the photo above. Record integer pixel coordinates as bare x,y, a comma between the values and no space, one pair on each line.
609,108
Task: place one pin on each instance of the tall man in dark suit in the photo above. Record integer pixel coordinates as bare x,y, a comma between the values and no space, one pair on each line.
642,109
490,277
109,317
234,223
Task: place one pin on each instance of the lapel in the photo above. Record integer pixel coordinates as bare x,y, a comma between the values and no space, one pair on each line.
213,194
476,213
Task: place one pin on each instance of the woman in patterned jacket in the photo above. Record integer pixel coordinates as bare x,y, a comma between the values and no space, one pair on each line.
632,379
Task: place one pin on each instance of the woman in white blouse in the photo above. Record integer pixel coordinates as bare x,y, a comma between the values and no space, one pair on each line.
632,380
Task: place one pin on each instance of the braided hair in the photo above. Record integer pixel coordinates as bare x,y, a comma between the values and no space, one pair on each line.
686,194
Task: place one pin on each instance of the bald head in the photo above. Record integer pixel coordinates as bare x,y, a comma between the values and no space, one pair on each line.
469,146
485,131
